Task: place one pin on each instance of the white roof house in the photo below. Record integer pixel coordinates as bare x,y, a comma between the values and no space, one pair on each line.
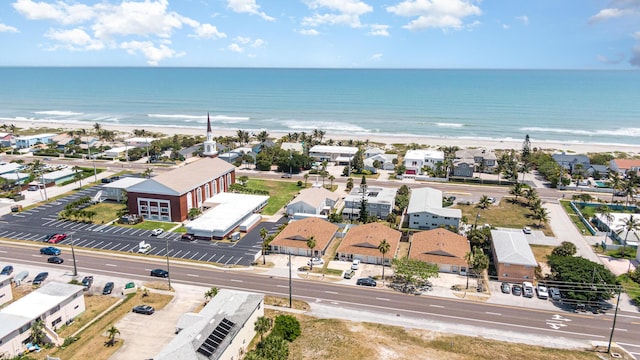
512,247
295,147
332,153
139,141
115,190
617,228
311,202
57,176
116,151
425,210
18,177
385,159
54,303
228,210
221,330
415,160
11,167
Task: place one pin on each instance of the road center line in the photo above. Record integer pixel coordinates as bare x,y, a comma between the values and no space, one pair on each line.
235,280
331,292
193,275
283,286
114,265
383,299
492,313
437,306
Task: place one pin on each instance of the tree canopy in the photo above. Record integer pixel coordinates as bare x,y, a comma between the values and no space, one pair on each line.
412,271
580,279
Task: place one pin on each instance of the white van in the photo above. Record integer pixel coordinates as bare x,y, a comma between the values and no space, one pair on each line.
355,265
144,247
527,289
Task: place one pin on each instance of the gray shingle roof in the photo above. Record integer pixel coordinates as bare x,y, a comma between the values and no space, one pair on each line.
511,247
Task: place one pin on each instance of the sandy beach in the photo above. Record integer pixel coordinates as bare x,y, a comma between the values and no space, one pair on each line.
579,148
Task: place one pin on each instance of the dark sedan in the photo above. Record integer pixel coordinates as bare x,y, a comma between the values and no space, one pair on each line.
7,270
144,309
50,250
40,278
55,260
160,273
516,290
108,288
366,282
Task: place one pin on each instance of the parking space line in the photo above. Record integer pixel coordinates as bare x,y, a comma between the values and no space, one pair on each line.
124,247
221,257
203,255
212,256
228,260
115,246
176,254
127,230
104,247
194,255
135,231
79,243
185,255
117,229
90,243
237,261
106,229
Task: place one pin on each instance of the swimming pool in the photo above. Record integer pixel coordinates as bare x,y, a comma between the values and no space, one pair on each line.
601,184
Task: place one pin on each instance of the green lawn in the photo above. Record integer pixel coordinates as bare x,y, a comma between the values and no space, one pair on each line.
280,193
504,214
566,205
106,211
631,287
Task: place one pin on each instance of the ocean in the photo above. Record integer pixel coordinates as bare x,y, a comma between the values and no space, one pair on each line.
569,106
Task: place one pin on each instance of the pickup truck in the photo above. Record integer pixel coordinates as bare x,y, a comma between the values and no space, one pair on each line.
87,281
129,288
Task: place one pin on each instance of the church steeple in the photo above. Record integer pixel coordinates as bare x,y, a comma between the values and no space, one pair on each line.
210,148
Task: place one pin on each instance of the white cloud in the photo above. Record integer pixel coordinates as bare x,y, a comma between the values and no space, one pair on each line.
235,48
376,57
340,12
611,13
7,28
145,26
523,19
249,7
74,39
309,32
243,40
636,35
249,41
617,59
506,27
59,11
258,43
379,30
153,53
440,14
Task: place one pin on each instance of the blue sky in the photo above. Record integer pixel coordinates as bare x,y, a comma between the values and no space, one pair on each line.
536,34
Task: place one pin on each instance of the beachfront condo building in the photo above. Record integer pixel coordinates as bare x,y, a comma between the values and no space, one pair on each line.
415,161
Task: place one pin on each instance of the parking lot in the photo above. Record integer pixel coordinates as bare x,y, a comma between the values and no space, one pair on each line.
40,221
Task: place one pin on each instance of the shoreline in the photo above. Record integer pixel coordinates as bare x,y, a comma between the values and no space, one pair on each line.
577,148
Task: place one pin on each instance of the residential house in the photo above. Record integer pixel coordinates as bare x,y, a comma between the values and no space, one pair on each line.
598,171
385,162
170,195
6,294
572,162
362,241
615,226
6,139
293,238
425,210
380,202
293,147
512,256
24,142
223,329
337,154
417,160
313,201
625,166
372,151
54,303
468,161
11,172
139,142
441,247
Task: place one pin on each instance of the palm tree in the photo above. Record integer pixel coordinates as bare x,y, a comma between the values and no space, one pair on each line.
211,293
629,188
484,202
384,248
331,179
147,173
615,183
37,332
112,332
605,213
517,189
262,136
263,235
306,177
628,225
542,215
311,243
532,196
262,325
78,175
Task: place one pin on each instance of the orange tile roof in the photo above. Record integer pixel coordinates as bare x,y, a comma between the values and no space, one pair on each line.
626,164
364,240
296,234
439,246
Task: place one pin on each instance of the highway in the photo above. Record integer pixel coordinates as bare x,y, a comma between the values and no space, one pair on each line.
583,327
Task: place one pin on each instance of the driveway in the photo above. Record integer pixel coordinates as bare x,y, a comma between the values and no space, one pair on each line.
565,230
146,335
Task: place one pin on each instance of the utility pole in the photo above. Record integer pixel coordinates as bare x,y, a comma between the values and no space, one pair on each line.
168,272
290,292
73,255
615,317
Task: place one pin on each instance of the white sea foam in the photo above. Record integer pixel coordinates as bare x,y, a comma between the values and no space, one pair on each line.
613,132
58,113
334,127
202,118
449,125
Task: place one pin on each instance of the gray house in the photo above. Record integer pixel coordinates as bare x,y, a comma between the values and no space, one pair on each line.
570,162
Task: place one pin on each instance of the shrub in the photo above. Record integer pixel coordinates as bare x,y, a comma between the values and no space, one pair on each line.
287,327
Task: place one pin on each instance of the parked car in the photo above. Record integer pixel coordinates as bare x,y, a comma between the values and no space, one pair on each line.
129,288
105,180
286,176
506,289
50,250
355,264
527,289
160,273
492,200
315,261
7,270
187,237
46,238
366,282
143,309
542,291
555,294
526,230
348,274
40,278
55,260
516,290
108,288
156,232
87,281
56,238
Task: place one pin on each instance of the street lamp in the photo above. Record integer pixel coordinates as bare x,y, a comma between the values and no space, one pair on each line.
95,173
167,253
290,295
470,258
476,222
73,255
